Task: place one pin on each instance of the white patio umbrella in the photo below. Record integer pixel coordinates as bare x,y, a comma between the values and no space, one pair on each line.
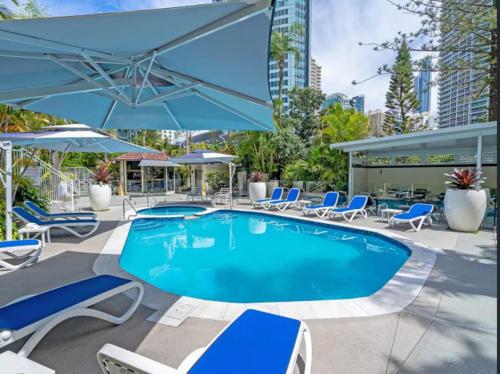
66,138
204,156
201,67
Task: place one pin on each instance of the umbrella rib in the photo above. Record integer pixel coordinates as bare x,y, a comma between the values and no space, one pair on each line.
86,77
146,75
228,20
106,77
165,95
162,72
32,40
109,113
63,57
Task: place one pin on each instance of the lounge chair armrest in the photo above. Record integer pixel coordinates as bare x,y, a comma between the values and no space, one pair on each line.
191,359
110,354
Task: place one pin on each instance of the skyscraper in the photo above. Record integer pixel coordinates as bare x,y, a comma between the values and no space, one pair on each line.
423,85
315,81
458,101
358,103
377,119
287,14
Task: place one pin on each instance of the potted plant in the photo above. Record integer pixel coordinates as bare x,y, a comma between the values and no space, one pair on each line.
100,191
465,202
257,186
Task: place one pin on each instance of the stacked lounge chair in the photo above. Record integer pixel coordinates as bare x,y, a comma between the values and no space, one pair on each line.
23,252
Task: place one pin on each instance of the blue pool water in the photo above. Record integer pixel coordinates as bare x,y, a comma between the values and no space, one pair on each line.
252,257
172,210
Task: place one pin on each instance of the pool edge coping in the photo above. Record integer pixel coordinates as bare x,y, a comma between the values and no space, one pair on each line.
400,291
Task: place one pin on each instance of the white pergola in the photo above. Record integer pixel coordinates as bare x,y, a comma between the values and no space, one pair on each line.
471,144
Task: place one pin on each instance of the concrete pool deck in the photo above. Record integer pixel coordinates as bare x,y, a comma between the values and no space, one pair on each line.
450,327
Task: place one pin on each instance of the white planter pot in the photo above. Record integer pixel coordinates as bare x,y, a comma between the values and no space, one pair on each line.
100,197
271,185
465,209
257,190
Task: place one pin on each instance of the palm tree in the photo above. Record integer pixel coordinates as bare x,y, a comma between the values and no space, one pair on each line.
282,43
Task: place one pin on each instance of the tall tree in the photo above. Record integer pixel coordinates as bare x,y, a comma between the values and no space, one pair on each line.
401,99
282,44
470,27
304,112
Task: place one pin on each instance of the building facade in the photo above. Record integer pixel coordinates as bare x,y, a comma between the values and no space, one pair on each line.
423,86
377,119
315,80
357,102
459,103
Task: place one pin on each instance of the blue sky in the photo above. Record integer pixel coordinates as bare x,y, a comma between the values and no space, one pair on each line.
337,27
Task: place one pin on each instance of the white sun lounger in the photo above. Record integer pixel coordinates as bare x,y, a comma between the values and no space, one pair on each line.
67,225
282,204
276,195
27,251
356,206
419,212
255,342
329,202
40,313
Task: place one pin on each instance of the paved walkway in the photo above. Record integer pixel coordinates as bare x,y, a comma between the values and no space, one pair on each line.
449,328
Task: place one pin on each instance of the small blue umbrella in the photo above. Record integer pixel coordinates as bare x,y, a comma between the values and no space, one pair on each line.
186,68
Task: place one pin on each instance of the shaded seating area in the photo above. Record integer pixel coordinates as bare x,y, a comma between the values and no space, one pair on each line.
255,342
38,314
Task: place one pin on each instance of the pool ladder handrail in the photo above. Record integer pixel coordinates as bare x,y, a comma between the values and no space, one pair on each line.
123,209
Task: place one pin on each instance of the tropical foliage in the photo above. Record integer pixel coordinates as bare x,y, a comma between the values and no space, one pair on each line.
465,179
102,173
216,179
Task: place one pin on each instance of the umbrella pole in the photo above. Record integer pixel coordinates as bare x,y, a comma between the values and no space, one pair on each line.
7,182
230,186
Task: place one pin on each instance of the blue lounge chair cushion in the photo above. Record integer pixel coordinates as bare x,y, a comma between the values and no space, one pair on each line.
19,243
25,312
329,200
341,210
416,211
256,342
31,218
35,208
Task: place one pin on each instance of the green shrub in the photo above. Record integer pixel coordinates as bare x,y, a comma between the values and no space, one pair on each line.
217,179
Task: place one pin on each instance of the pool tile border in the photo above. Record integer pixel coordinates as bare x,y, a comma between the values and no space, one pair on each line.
397,293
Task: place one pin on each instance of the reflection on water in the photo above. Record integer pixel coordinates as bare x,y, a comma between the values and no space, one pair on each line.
243,257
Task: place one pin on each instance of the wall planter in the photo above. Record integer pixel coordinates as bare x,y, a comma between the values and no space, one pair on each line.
100,197
465,209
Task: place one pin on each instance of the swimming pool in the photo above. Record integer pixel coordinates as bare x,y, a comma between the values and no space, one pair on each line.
184,210
246,257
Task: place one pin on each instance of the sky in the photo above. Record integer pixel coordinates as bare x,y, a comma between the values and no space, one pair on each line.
337,28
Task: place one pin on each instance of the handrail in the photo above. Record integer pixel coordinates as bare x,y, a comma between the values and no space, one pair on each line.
123,209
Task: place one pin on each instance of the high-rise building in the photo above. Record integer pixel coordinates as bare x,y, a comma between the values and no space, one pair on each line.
358,103
377,119
169,135
458,88
315,80
288,14
423,86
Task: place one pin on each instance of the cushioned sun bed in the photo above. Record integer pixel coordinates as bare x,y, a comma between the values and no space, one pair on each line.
418,213
282,204
356,206
256,342
40,313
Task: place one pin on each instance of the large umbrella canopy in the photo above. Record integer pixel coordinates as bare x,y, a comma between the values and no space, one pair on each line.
185,68
203,156
72,138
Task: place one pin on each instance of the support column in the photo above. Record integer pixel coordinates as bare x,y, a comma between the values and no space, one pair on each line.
350,177
7,146
230,186
479,161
